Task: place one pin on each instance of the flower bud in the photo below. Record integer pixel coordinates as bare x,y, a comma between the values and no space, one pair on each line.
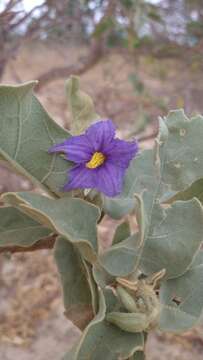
126,299
131,322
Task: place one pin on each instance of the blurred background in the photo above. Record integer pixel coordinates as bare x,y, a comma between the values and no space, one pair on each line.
138,59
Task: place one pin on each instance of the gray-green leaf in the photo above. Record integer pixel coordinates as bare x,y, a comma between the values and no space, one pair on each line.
122,232
150,174
81,106
76,290
184,156
121,259
74,219
101,340
175,161
27,132
174,240
194,190
182,300
171,243
18,229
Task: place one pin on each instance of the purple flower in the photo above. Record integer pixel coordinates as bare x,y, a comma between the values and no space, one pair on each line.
100,159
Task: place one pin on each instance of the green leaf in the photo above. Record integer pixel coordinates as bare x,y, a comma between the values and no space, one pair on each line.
117,207
76,290
140,216
101,340
198,260
184,156
120,260
182,300
175,163
146,176
27,132
74,219
92,285
194,190
175,320
122,232
172,243
101,276
81,106
142,175
139,355
19,229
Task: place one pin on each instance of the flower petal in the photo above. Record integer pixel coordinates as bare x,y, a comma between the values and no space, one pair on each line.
101,134
107,179
77,149
121,152
80,177
110,179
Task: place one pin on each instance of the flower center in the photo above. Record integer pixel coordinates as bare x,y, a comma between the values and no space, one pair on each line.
97,159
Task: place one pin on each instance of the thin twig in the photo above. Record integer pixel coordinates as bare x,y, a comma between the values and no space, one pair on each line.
79,68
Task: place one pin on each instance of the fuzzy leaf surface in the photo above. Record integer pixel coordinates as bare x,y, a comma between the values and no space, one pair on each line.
182,299
172,242
194,190
72,218
81,106
18,229
120,259
139,355
150,175
141,175
175,162
122,232
184,157
76,290
27,132
101,340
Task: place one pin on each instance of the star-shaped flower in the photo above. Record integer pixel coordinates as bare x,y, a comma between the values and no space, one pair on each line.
100,159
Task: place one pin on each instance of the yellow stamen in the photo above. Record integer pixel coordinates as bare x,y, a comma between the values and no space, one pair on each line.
97,159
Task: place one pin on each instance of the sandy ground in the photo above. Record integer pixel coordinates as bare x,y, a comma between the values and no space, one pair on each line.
52,339
31,312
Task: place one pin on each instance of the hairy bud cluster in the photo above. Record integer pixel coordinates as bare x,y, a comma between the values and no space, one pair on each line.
142,305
